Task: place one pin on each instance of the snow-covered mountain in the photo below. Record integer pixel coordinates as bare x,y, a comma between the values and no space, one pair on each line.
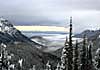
9,34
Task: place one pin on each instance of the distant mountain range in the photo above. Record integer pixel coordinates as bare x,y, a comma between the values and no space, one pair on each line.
90,34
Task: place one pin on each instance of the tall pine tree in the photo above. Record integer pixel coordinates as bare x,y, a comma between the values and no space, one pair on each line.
64,57
70,49
89,53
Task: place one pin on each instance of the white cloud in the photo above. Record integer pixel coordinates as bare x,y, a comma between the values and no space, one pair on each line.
88,19
53,12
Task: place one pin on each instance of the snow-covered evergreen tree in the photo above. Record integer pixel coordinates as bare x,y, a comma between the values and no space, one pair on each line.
97,59
48,66
67,52
20,64
5,59
58,67
33,68
64,57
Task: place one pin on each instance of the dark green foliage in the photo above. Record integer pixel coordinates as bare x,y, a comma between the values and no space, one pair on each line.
31,55
97,58
70,49
90,65
83,55
89,54
76,57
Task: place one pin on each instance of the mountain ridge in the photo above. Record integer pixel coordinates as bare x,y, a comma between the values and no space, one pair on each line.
26,49
9,34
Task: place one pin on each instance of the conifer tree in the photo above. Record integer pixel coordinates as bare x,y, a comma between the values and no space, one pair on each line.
67,52
70,49
34,68
64,57
58,67
90,53
76,57
48,66
97,59
90,65
3,57
83,55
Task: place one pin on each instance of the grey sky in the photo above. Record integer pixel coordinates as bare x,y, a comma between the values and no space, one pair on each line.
86,13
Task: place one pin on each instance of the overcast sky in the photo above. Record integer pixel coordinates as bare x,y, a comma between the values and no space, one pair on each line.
85,13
